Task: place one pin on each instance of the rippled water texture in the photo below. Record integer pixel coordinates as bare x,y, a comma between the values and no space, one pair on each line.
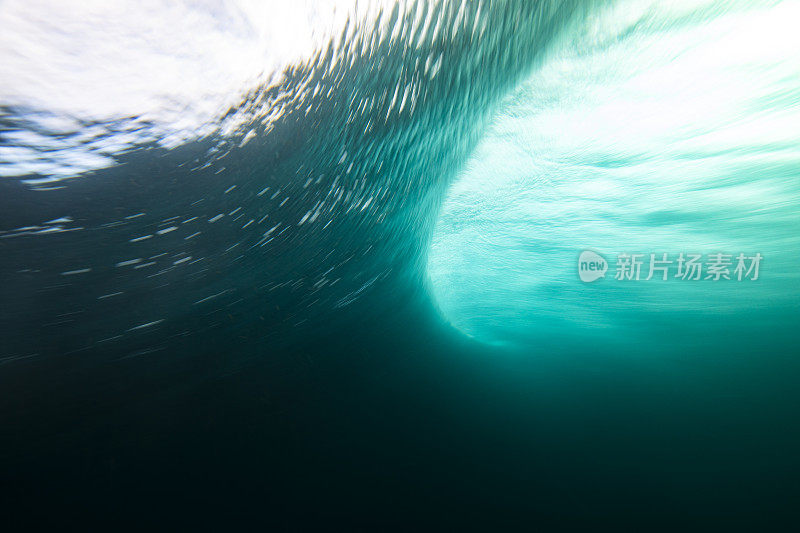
317,261
281,182
656,127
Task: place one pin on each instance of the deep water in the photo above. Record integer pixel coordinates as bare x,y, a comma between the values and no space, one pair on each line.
347,299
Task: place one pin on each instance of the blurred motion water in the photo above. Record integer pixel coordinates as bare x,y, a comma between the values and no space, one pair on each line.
314,265
688,144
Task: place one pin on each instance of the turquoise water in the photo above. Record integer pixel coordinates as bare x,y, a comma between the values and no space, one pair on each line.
316,266
687,145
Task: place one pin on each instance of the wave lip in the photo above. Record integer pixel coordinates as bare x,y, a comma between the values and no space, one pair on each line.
288,201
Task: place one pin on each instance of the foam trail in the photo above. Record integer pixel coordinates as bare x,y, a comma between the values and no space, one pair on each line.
297,176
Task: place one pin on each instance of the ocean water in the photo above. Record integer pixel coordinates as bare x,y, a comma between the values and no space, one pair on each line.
315,266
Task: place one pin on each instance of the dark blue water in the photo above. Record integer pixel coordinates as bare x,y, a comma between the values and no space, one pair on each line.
348,299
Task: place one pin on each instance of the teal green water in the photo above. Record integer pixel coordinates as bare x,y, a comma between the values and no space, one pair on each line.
654,127
345,295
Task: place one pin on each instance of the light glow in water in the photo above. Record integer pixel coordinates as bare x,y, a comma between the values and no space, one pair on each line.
658,127
126,73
